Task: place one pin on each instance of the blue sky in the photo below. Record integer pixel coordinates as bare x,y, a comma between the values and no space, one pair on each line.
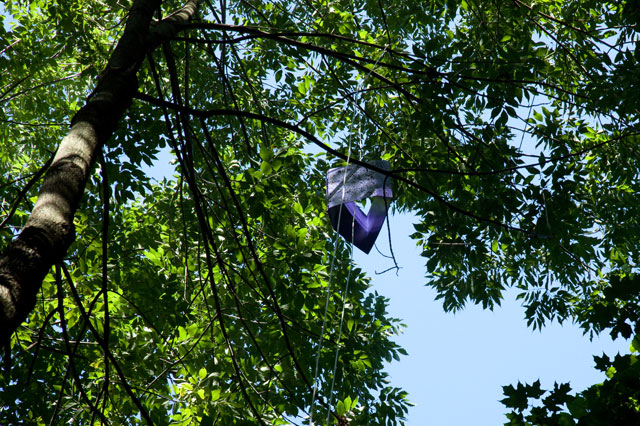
458,363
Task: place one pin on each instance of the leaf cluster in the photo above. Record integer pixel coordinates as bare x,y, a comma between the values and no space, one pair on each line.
511,128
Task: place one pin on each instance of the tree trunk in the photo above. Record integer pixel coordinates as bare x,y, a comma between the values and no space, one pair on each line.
49,231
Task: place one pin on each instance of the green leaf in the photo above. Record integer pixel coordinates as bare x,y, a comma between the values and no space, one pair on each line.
265,167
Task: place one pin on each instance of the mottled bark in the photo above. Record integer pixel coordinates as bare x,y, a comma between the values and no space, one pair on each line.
49,230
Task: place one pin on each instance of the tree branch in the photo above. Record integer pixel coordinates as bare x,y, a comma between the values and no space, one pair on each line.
49,230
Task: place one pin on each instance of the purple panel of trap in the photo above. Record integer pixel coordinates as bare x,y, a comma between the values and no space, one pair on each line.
345,185
355,226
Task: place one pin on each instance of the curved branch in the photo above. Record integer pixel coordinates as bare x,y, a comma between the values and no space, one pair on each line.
353,60
327,148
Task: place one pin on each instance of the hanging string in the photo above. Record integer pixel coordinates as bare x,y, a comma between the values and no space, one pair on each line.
345,292
331,271
327,298
335,359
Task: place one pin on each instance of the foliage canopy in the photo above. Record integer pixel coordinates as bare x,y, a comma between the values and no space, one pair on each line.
511,128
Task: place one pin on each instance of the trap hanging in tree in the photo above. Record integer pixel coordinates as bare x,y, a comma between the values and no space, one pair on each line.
345,186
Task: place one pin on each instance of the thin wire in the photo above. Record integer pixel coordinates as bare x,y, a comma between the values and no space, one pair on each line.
346,286
328,293
335,359
333,258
